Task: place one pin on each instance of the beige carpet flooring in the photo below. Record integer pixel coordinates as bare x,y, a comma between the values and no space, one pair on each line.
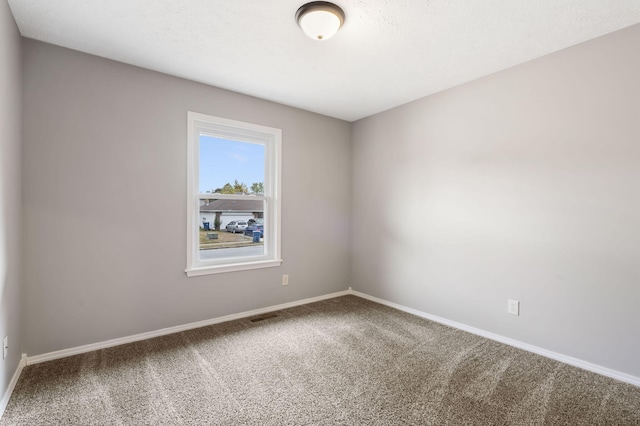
344,361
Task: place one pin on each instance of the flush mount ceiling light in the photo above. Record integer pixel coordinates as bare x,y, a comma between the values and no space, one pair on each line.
320,20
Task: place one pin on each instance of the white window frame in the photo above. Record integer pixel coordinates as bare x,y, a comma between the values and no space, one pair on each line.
271,139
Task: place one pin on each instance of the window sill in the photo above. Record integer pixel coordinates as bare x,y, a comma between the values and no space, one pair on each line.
231,267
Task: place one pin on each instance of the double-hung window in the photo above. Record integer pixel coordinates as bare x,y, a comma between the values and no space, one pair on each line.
233,206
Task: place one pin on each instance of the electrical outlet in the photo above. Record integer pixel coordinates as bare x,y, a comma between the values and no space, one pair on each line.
5,345
285,280
513,307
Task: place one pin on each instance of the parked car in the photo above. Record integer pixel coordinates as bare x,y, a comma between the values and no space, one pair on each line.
236,226
255,227
258,220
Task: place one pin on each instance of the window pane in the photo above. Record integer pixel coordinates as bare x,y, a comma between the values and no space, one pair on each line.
230,167
231,228
233,181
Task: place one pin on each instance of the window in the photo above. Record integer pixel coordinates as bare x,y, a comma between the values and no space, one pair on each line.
233,206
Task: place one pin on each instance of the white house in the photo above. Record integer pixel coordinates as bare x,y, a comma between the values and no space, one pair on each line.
229,210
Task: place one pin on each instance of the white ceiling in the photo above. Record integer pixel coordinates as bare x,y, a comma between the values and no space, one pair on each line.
388,52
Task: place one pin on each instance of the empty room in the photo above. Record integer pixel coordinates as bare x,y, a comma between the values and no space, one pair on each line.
320,213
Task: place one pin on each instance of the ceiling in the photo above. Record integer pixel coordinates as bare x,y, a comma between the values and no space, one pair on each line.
388,52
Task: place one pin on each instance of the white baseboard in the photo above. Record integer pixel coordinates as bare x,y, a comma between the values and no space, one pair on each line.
170,330
12,384
594,368
598,369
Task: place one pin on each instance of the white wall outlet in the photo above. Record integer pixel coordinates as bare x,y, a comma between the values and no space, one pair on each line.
285,280
5,346
513,307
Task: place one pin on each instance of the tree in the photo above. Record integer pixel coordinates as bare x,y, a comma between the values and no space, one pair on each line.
227,189
257,188
240,188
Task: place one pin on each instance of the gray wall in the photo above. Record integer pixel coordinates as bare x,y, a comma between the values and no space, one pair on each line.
105,145
10,196
525,185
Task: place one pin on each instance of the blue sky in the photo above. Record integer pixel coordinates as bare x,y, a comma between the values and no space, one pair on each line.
223,161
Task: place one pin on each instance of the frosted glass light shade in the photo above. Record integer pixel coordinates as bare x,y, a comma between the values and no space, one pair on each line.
320,20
